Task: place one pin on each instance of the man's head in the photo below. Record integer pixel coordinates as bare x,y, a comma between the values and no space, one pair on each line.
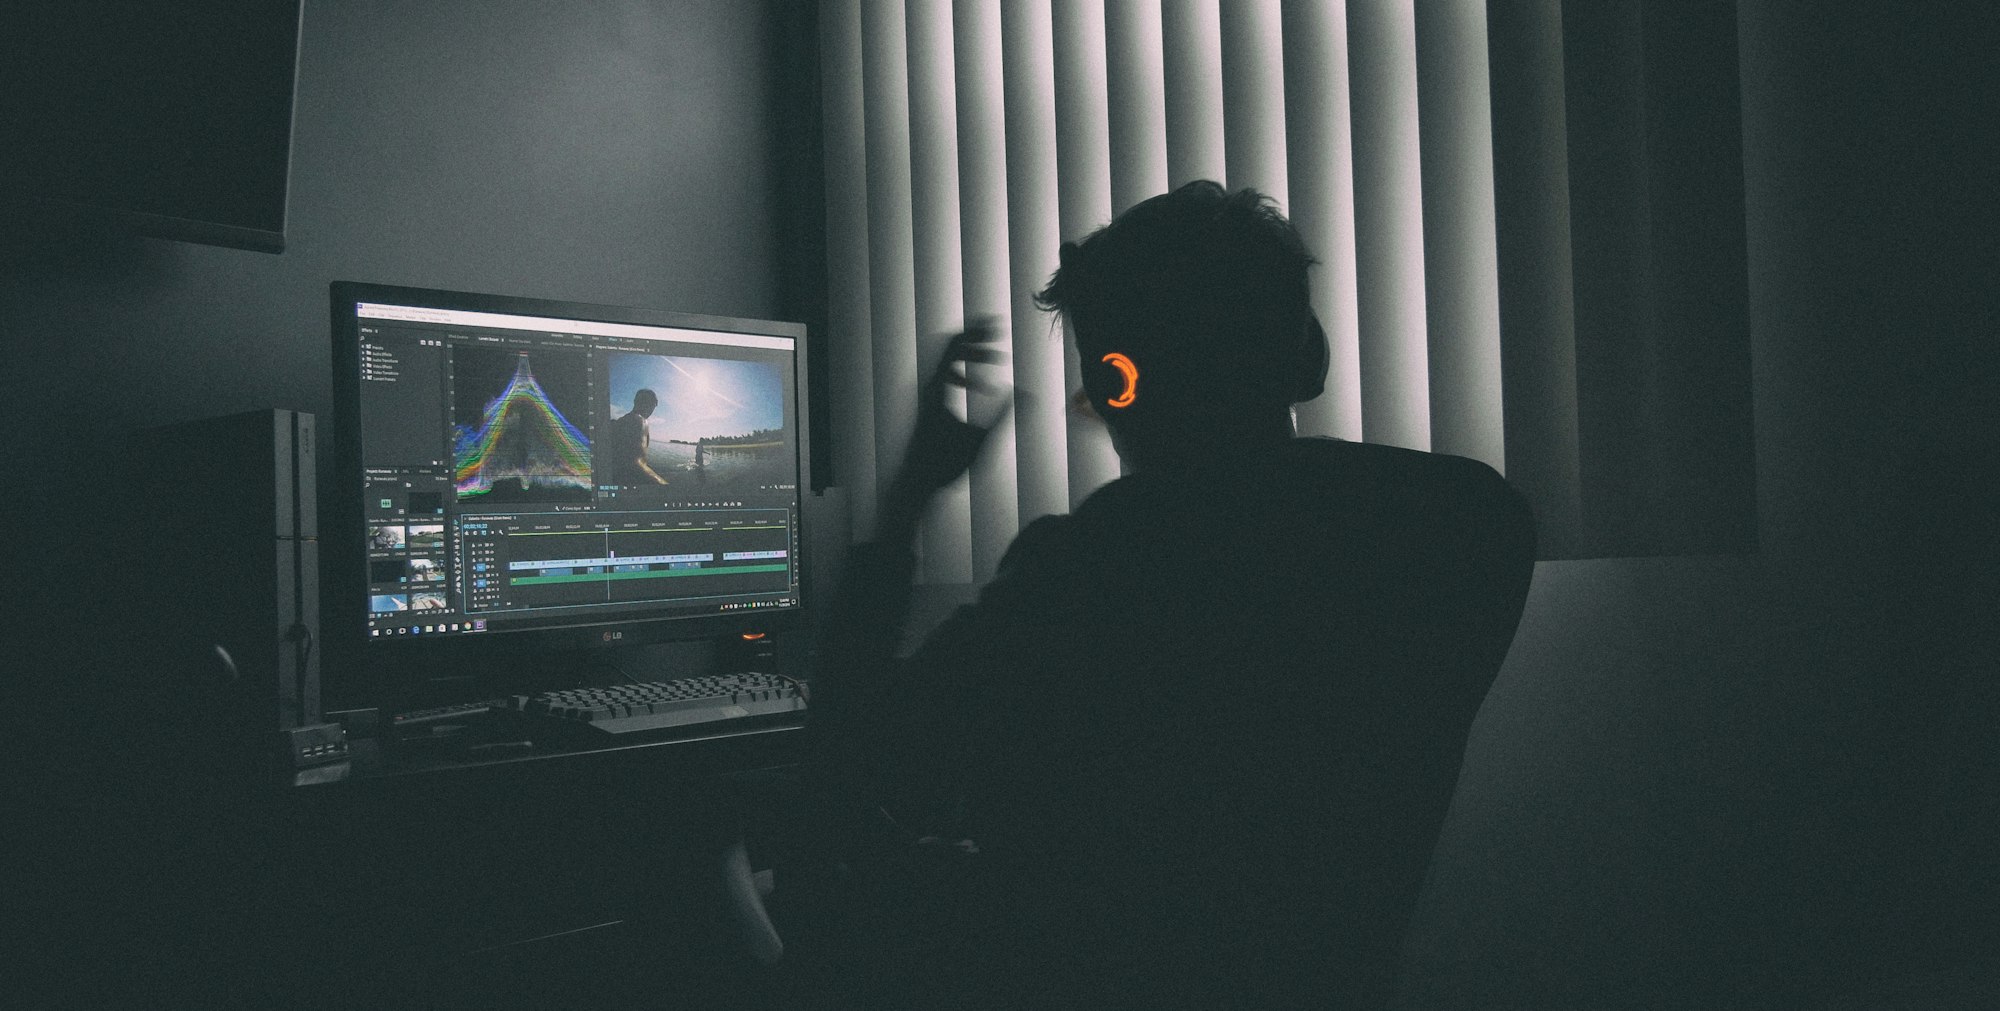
643,403
1200,300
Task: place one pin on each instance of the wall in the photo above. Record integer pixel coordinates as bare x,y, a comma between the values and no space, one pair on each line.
627,152
638,153
1755,781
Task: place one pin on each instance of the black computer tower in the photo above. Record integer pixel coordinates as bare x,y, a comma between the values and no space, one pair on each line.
231,557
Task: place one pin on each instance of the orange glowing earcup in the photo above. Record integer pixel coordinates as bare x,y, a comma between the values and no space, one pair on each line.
1130,373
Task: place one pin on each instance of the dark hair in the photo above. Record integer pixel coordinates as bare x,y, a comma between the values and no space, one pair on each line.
645,400
1209,289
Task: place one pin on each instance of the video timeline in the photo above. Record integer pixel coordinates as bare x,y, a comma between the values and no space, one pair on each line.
696,557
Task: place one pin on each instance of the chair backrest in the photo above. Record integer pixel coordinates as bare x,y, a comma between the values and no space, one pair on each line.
1297,677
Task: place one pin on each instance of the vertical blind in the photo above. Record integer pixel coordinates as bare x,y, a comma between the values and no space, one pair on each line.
967,140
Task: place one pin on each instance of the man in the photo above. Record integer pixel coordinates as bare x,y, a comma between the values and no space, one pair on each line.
1201,732
625,442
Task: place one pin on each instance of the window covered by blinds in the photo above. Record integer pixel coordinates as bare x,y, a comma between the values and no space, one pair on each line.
1425,153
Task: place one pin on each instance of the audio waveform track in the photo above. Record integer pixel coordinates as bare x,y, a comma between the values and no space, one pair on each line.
583,577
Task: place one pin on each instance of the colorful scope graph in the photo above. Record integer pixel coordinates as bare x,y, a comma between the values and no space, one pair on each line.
523,438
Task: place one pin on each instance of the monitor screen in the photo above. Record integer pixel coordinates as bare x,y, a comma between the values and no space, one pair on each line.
583,474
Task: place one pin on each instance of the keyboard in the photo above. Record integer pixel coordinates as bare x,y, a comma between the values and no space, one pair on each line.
662,705
444,714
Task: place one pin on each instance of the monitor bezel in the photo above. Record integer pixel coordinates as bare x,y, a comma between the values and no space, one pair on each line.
361,669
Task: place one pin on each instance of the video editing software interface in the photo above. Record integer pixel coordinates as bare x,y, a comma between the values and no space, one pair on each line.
532,472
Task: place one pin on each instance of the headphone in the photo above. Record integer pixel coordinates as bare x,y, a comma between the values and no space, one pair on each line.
1129,373
1299,373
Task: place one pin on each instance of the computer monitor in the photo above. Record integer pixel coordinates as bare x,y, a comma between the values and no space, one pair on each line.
518,477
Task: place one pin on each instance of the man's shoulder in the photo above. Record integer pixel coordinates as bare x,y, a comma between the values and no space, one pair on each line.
1315,489
1333,487
1042,537
1365,468
1339,454
1324,468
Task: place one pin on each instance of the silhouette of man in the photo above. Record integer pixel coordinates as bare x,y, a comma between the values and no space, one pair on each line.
1202,731
625,442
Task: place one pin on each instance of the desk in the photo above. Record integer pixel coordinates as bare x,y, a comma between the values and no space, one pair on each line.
449,861
718,749
167,864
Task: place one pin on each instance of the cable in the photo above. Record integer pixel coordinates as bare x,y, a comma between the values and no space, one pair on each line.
308,642
804,690
228,662
622,672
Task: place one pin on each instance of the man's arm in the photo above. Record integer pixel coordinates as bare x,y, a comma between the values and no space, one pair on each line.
639,461
864,625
